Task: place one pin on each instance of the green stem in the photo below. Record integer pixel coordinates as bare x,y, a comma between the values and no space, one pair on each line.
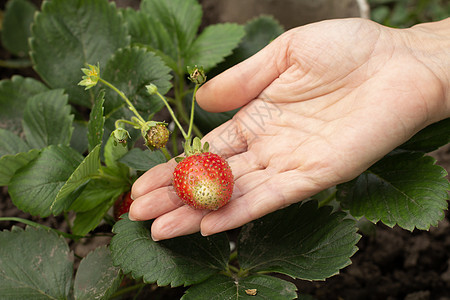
175,119
242,273
66,218
182,112
118,122
121,94
138,292
127,290
233,269
109,220
113,111
103,175
233,256
15,64
328,199
191,119
166,153
174,143
37,225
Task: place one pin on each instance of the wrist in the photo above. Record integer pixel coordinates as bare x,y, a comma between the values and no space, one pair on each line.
430,44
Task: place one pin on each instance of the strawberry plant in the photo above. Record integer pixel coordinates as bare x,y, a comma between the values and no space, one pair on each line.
113,96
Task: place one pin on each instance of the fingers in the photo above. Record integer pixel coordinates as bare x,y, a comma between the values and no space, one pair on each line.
154,204
152,195
274,193
242,83
248,203
182,221
156,177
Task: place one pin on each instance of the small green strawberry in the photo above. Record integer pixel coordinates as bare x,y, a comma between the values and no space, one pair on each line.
203,179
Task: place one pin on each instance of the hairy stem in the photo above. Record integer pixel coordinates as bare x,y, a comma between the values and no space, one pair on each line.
37,225
328,199
172,114
119,121
191,119
166,153
122,95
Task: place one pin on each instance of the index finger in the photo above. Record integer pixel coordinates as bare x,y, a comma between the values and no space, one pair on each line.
156,177
245,81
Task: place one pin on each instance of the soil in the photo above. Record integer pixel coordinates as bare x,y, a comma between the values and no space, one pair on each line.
393,264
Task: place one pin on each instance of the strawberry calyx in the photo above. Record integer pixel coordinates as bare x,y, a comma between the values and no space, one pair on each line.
192,148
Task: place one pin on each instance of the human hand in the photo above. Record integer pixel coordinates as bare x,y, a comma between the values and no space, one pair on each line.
321,103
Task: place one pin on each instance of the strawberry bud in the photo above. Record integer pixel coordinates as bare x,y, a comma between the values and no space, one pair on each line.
120,136
151,88
196,75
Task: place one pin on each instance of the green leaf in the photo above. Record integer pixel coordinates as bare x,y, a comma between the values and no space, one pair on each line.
259,32
9,164
34,264
16,26
148,32
213,44
220,287
96,277
34,187
47,120
142,160
113,152
406,189
14,94
79,140
301,241
97,192
96,122
89,220
79,32
430,138
179,261
180,19
11,143
130,70
84,172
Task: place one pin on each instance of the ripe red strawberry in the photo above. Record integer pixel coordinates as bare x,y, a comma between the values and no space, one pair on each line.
203,181
122,205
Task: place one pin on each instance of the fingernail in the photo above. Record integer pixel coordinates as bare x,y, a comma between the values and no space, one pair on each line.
204,234
131,218
154,239
131,196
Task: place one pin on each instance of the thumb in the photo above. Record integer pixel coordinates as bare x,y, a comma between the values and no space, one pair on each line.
245,81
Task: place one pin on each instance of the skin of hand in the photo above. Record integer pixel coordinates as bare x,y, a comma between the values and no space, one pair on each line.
320,104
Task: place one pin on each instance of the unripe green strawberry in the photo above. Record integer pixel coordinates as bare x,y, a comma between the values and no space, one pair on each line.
204,181
157,136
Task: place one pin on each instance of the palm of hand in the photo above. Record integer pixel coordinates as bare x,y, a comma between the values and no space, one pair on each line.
329,99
